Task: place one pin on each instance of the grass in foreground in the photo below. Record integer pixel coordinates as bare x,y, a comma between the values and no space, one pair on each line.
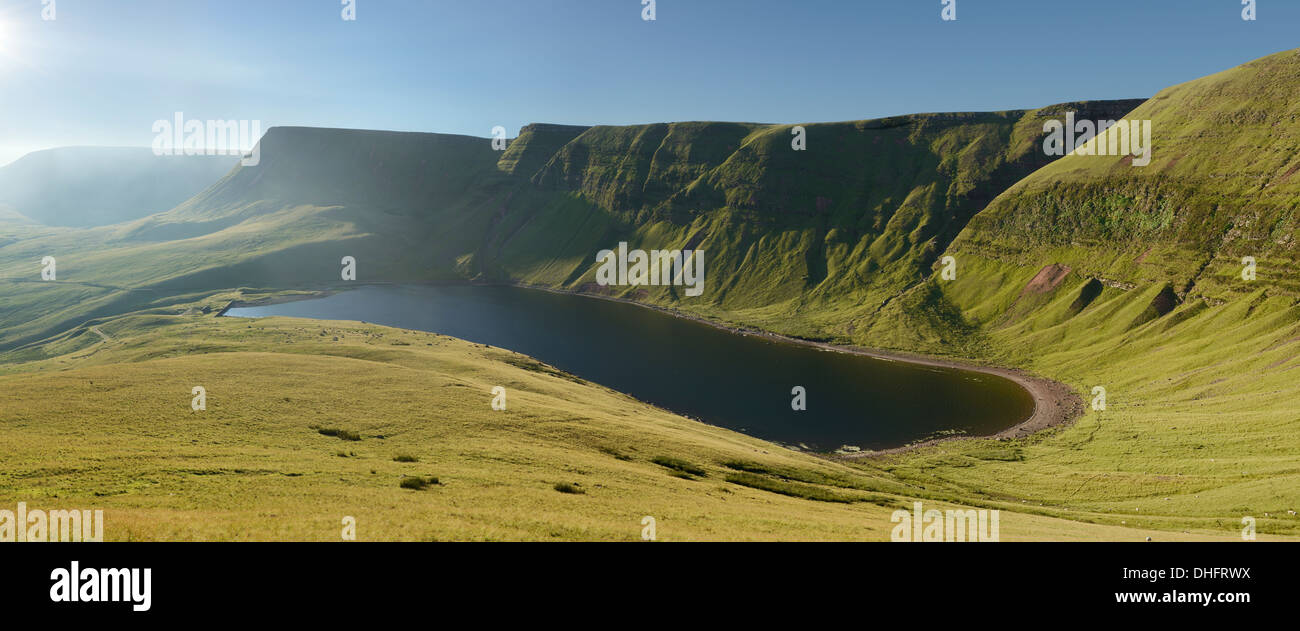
109,426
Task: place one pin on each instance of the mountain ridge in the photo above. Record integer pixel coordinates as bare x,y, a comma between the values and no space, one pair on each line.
413,206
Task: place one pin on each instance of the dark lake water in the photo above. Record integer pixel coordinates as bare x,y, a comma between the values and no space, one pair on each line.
735,381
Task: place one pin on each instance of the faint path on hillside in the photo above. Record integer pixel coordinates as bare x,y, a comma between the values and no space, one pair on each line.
74,282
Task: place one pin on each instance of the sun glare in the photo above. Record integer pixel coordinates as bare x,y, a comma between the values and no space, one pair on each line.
5,33
8,45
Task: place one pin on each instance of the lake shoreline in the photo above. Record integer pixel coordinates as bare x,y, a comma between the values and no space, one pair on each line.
1055,404
275,300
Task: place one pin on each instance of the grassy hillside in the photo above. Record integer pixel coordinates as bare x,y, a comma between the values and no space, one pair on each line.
265,460
1099,273
1222,185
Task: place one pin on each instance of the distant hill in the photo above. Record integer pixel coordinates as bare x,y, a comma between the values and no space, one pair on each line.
98,186
9,215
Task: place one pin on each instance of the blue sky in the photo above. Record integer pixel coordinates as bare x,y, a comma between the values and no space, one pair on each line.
104,70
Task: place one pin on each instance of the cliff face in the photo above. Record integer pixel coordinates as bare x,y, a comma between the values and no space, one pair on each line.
640,168
388,171
857,216
535,145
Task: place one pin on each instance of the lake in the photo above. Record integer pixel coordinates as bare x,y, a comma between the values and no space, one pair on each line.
741,382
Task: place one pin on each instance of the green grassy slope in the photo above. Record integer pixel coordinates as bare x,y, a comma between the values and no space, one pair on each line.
255,464
1203,413
1222,185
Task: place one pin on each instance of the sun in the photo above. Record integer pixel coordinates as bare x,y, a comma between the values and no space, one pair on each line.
15,45
8,45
